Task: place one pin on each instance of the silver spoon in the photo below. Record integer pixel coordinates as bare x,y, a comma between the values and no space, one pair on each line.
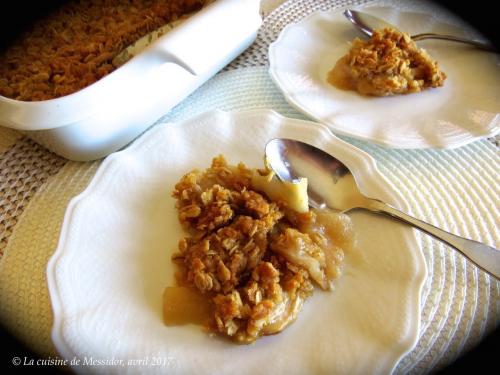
366,23
331,184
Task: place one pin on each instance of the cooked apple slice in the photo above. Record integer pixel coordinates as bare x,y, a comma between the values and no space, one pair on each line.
292,194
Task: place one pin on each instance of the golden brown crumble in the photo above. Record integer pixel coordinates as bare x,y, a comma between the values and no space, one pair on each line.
74,46
255,259
389,63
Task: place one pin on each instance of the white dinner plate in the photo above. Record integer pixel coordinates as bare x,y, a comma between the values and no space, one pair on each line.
112,264
465,109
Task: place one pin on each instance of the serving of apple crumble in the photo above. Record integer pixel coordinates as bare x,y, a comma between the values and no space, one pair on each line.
389,63
253,259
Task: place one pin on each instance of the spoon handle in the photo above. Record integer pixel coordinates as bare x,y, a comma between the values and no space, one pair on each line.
485,257
452,38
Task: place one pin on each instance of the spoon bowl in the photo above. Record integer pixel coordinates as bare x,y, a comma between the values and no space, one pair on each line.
331,184
366,23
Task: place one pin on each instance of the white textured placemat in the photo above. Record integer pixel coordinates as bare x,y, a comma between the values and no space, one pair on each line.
455,189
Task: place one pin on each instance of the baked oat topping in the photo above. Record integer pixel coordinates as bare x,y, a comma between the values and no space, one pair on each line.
255,259
75,45
389,63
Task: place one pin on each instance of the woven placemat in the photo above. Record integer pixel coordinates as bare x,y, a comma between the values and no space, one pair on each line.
455,189
460,304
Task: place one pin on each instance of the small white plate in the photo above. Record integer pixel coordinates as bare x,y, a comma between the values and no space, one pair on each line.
465,109
108,273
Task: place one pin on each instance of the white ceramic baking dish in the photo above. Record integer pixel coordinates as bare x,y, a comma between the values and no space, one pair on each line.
108,114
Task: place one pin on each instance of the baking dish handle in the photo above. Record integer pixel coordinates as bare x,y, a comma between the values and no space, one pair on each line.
204,39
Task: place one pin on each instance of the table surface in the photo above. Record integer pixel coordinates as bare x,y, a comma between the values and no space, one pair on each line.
460,304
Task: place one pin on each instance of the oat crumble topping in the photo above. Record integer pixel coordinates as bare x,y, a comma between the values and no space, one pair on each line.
389,63
254,259
75,45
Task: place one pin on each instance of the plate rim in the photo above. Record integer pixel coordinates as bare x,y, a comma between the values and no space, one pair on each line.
57,306
392,144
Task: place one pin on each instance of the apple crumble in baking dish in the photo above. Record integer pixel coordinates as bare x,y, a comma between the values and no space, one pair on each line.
250,261
75,45
389,63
